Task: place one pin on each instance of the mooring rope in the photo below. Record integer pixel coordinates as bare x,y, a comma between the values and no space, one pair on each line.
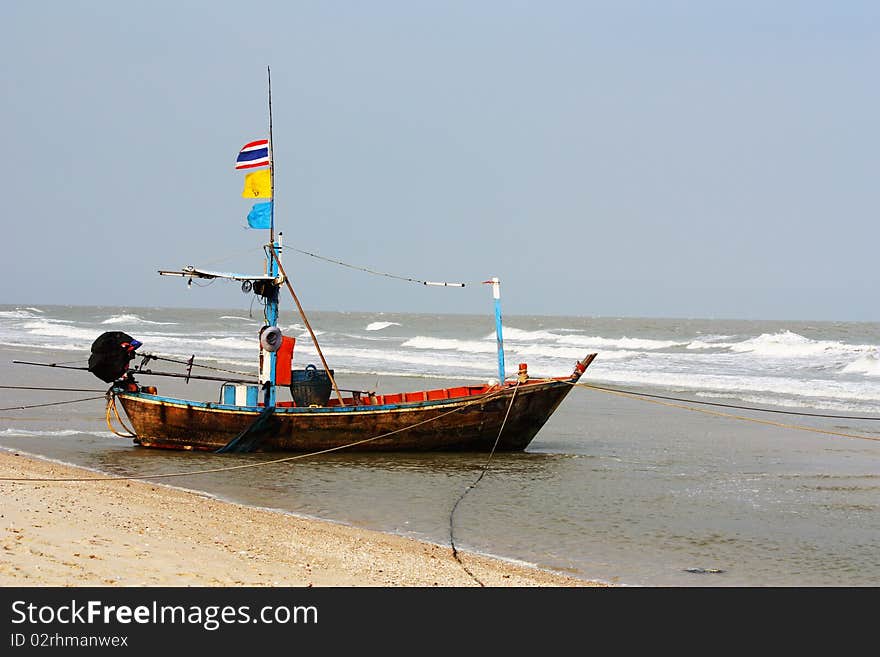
746,408
650,398
474,485
111,404
52,389
58,403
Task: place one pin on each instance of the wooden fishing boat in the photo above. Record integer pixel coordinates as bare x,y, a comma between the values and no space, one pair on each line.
253,414
506,417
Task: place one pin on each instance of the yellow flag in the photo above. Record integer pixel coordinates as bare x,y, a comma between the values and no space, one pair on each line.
258,184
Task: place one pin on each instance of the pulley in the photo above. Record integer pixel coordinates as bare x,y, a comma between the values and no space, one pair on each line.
270,338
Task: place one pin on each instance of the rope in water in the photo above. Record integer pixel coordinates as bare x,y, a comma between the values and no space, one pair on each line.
648,398
746,408
474,485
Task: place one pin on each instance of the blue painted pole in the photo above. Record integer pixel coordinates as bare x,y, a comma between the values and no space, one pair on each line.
496,293
272,320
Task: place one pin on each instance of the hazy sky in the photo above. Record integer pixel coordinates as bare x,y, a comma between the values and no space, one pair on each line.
643,158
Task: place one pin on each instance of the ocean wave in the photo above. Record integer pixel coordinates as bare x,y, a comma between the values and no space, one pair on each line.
817,391
18,314
233,343
53,329
378,326
450,344
67,346
787,344
133,319
869,365
301,330
243,319
513,334
711,342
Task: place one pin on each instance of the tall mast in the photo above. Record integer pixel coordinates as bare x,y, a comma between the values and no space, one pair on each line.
274,267
272,264
271,164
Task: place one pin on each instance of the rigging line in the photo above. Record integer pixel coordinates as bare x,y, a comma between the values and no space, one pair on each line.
474,485
635,395
69,401
377,273
245,466
744,408
57,389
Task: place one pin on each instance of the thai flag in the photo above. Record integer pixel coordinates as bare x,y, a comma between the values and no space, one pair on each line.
254,154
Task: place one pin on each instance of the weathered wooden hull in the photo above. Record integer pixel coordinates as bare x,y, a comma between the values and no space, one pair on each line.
466,423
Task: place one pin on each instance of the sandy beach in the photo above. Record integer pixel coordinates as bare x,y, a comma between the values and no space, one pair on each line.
133,533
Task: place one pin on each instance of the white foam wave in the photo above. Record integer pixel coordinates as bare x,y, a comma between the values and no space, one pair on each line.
243,319
450,344
568,353
302,331
513,334
816,390
17,314
378,326
52,329
787,344
711,342
868,365
132,319
53,347
233,343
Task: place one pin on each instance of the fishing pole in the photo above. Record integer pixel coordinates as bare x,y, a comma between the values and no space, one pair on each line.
146,372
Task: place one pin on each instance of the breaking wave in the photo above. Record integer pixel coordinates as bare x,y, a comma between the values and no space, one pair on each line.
133,319
378,326
869,365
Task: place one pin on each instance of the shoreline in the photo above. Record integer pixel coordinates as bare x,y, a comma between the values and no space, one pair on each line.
135,533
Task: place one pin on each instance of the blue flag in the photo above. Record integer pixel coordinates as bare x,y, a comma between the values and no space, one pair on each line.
260,215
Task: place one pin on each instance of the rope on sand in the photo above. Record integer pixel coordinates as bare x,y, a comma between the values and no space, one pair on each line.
474,485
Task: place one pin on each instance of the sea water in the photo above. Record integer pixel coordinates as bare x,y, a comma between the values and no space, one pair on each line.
638,492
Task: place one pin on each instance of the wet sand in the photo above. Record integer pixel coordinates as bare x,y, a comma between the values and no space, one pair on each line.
133,533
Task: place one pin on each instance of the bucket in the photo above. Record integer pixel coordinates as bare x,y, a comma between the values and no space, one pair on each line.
310,387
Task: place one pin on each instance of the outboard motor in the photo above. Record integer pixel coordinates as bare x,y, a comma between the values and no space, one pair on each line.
111,353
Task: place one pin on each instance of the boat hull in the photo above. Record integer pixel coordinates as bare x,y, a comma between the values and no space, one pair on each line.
472,423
